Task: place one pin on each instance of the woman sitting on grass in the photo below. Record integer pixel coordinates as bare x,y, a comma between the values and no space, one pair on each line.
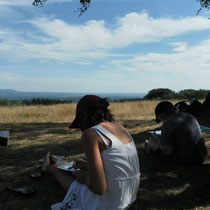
110,177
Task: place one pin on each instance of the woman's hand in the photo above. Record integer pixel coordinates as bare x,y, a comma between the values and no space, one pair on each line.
81,164
81,176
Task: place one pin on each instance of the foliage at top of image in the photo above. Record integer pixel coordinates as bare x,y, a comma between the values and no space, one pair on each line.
204,4
165,93
84,5
38,2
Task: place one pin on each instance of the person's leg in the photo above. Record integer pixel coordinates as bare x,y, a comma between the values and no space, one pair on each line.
64,178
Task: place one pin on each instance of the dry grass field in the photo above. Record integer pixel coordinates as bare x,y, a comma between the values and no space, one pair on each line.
35,130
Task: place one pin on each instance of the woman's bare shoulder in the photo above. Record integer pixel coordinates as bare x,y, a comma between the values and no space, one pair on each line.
89,135
113,127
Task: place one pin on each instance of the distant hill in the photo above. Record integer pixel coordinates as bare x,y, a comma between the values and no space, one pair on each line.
22,95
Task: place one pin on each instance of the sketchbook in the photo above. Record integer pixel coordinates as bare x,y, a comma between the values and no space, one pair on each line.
67,166
4,138
202,128
155,132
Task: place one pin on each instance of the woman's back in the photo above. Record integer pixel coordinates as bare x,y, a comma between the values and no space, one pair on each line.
118,131
121,166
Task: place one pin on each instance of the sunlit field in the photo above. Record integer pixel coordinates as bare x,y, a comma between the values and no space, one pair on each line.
35,130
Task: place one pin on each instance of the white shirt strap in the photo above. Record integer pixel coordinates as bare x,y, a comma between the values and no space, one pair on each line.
102,137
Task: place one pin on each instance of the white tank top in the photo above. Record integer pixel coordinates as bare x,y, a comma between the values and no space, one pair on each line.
121,166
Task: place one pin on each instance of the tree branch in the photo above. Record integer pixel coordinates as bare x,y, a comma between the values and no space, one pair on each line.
204,4
38,2
84,5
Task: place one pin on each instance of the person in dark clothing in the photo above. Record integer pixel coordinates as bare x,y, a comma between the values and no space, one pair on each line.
181,140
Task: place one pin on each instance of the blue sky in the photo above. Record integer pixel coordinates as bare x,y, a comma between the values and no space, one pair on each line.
129,46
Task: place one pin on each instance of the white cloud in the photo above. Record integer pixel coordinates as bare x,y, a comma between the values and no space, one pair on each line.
15,3
69,84
7,13
48,38
7,77
133,28
141,28
193,63
179,46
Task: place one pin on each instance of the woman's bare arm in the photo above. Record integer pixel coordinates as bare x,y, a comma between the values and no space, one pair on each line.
97,180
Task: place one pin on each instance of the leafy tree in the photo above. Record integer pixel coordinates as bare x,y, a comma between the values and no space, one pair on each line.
165,93
204,4
86,3
160,93
191,93
6,102
44,101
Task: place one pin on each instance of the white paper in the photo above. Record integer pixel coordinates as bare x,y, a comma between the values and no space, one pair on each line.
4,138
67,166
155,132
204,128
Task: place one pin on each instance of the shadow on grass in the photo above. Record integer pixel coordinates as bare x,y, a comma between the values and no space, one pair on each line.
163,186
28,143
168,186
141,123
31,141
35,130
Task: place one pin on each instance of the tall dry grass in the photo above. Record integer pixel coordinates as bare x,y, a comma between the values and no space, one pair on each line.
28,114
133,109
66,112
